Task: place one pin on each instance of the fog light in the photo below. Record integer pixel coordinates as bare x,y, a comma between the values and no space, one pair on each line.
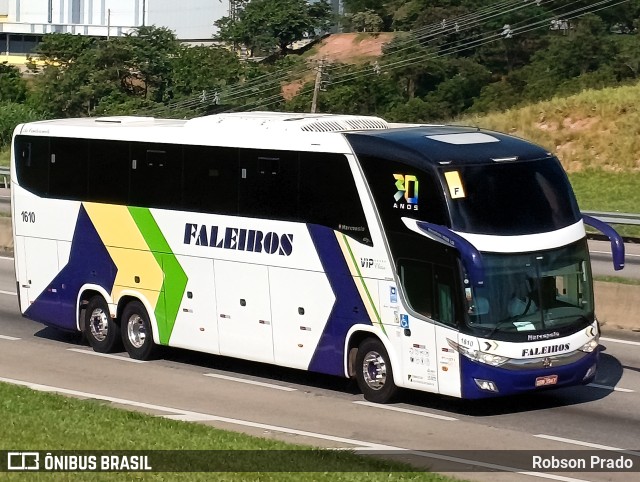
590,372
486,385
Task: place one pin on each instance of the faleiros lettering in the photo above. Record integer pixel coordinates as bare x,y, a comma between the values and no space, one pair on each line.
545,350
239,239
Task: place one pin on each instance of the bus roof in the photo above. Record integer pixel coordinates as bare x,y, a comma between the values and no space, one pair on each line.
419,144
443,145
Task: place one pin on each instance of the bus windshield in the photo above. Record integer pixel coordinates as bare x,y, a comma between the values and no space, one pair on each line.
532,292
511,198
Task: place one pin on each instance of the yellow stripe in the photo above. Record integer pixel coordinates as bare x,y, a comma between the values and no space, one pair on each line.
360,281
137,267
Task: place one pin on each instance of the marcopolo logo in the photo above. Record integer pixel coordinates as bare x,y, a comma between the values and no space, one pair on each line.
239,239
407,186
545,350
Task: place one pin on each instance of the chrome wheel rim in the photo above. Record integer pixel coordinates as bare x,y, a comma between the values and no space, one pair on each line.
99,324
136,331
374,369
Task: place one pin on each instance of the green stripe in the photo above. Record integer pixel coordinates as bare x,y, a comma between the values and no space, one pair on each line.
175,279
364,285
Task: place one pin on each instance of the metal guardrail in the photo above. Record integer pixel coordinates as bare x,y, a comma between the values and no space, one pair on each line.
615,218
5,174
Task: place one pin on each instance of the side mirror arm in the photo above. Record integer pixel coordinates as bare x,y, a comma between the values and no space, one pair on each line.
617,243
471,257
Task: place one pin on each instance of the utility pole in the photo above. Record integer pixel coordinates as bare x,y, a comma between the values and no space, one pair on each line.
316,87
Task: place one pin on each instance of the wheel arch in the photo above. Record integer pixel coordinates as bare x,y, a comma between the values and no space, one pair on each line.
128,296
356,335
87,292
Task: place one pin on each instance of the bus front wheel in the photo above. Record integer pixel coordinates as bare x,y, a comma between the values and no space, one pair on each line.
137,335
101,330
374,372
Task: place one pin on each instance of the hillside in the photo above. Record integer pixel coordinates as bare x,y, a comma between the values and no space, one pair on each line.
596,129
353,48
347,48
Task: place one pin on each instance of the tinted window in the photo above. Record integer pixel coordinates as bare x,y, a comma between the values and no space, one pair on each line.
32,163
68,168
156,175
211,179
429,289
328,195
512,198
109,171
400,190
268,184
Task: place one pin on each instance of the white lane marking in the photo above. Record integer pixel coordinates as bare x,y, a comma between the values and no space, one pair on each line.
176,413
10,338
105,355
12,293
617,389
250,382
585,444
616,340
405,410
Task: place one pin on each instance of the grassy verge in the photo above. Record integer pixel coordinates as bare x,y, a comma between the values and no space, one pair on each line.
42,421
617,279
599,190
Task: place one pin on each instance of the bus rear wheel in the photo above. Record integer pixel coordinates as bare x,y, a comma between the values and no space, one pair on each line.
101,330
374,372
137,335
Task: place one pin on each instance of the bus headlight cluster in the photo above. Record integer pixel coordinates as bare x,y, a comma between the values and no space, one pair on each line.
590,346
477,355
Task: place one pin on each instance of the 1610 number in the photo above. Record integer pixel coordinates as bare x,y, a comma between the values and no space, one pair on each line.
28,217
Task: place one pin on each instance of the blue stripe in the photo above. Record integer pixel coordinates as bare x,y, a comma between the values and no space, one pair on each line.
89,262
347,310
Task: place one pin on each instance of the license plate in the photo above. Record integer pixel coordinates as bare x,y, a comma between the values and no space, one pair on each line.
546,380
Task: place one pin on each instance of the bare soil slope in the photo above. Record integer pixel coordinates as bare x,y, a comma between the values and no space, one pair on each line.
351,47
347,48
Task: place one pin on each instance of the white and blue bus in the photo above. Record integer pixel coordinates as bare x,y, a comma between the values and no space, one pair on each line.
438,258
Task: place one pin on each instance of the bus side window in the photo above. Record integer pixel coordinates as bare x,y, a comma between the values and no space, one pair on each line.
329,197
268,184
68,168
211,179
444,282
156,175
108,172
32,163
417,282
429,289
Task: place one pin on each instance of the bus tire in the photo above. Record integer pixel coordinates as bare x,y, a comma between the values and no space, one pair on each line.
374,372
137,335
101,331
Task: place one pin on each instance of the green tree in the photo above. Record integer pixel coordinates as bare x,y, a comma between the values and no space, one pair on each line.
198,69
80,76
12,115
152,49
269,24
13,88
365,21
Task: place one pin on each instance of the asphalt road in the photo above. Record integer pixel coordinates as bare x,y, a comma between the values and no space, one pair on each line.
325,411
601,260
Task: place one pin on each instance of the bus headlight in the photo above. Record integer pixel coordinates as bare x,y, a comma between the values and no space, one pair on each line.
590,346
477,355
